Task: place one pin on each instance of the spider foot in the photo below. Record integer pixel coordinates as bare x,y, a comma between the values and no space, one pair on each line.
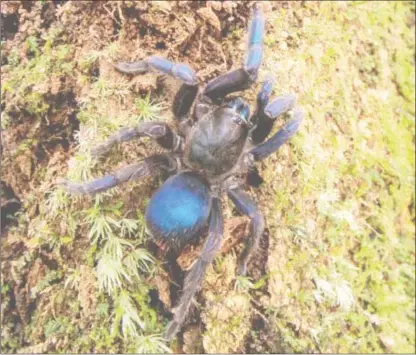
279,106
180,71
254,54
147,167
88,188
159,131
267,148
171,330
189,89
241,79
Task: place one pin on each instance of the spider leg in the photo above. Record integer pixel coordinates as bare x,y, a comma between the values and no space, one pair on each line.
241,79
187,92
147,167
267,148
247,206
266,113
195,276
156,130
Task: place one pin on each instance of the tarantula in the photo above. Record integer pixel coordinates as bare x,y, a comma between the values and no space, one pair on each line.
219,142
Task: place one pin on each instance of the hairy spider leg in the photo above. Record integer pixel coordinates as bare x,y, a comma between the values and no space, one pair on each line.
254,53
159,131
195,276
147,167
270,146
246,205
241,79
187,92
266,113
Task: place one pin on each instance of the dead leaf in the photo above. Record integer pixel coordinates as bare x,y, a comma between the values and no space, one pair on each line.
208,15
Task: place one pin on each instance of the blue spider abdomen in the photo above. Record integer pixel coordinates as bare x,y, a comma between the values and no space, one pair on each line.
179,209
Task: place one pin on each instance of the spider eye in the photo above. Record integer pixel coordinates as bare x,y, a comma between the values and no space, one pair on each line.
241,109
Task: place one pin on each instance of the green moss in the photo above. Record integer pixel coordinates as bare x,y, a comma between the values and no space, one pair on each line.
339,199
355,157
27,84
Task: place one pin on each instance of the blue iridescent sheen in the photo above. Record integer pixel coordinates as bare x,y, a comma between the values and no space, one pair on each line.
255,41
265,92
209,155
256,33
240,106
235,103
179,208
102,184
262,151
280,105
161,64
179,70
254,58
185,73
245,112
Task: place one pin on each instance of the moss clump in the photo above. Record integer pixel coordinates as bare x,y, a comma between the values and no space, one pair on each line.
342,219
28,85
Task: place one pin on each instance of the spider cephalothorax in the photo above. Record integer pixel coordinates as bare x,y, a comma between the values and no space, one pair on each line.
216,143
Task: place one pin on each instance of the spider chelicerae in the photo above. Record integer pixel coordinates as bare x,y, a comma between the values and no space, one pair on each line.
216,144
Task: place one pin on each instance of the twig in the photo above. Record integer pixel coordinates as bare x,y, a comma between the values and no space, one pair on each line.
112,14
